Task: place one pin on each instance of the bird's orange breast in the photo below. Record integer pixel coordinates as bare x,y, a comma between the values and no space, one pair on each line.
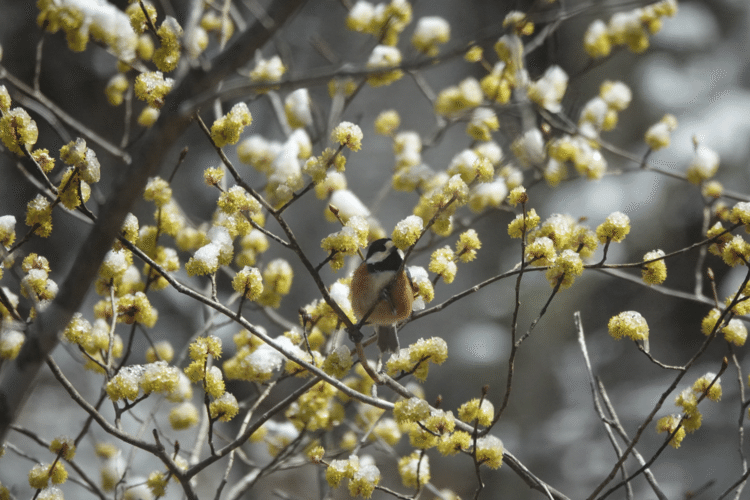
365,292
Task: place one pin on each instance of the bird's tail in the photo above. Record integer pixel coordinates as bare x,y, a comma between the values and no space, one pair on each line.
387,338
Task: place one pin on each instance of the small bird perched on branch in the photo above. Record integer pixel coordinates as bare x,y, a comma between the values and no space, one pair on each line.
381,292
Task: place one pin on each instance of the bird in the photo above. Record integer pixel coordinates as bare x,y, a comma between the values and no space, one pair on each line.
381,292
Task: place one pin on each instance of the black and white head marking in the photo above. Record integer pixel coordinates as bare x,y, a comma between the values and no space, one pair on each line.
382,255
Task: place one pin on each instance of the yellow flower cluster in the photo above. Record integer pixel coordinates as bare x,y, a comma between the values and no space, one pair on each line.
560,243
433,430
268,70
158,191
160,351
669,424
482,123
523,223
628,324
518,195
471,166
248,283
277,282
489,451
407,231
11,341
224,407
541,252
64,446
316,409
5,100
297,108
722,237
519,23
317,168
221,25
36,283
472,410
104,22
157,482
200,350
411,410
549,90
136,308
734,330
117,272
384,21
43,158
18,130
706,385
138,19
508,72
712,189
236,199
459,99
467,245
148,116
441,202
252,245
348,134
41,474
529,148
734,251
7,232
346,242
153,88
167,55
362,473
93,339
382,58
254,361
614,228
564,269
387,122
658,135
338,362
417,357
116,87
630,28
430,33
153,377
414,470
709,386
218,252
183,416
443,263
227,129
322,320
654,273
703,166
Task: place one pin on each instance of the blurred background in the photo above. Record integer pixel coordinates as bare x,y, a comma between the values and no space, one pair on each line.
697,68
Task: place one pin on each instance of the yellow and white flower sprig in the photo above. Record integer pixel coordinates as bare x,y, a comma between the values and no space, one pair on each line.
628,324
560,243
443,260
362,474
224,406
385,21
81,21
630,28
706,386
